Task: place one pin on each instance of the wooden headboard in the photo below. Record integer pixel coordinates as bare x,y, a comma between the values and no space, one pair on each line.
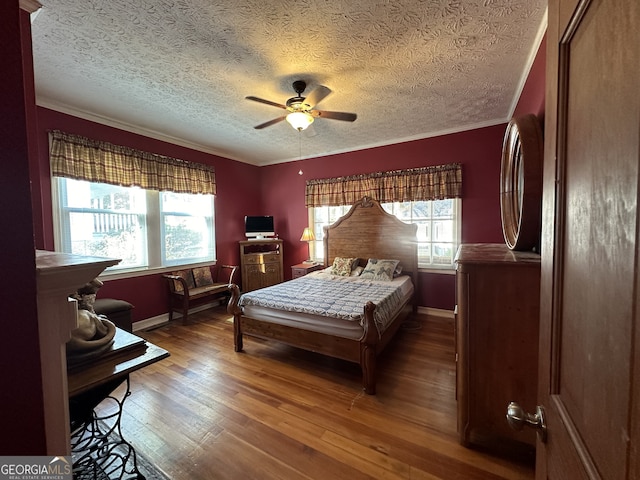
367,231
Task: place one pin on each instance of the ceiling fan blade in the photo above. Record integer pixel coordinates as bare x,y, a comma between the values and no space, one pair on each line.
269,123
344,116
317,95
266,102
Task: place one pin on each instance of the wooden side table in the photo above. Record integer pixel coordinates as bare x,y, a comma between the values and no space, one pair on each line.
301,269
97,446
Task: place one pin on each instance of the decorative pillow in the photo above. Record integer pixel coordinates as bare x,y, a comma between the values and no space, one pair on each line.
342,266
379,269
398,271
356,271
187,275
202,276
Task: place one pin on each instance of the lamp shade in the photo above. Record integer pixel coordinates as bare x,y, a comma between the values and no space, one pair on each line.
299,120
307,235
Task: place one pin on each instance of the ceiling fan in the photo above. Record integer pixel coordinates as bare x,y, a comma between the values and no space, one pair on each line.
301,112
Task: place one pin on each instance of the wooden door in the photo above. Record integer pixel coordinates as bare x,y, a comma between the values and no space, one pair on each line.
589,368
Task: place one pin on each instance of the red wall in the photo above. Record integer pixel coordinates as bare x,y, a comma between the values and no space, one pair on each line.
238,193
533,94
21,394
25,185
278,190
477,150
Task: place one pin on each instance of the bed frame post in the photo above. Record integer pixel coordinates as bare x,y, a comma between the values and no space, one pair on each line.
369,350
234,309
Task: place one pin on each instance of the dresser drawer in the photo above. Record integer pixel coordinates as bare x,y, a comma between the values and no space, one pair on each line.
302,269
298,272
260,263
261,258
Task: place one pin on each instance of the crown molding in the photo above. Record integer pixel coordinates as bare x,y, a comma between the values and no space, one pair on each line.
30,5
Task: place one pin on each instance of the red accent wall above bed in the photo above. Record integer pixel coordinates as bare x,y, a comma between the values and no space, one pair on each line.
478,151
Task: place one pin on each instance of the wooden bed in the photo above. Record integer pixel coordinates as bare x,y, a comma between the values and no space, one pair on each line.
366,231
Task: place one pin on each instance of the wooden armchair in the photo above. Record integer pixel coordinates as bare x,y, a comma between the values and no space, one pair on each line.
192,284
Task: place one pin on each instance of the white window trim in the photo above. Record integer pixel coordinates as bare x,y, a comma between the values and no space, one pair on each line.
443,269
153,248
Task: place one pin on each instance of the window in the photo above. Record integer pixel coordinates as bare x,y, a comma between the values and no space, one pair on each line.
320,217
438,229
438,232
187,228
145,228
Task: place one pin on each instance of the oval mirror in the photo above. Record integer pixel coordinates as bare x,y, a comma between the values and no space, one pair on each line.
521,183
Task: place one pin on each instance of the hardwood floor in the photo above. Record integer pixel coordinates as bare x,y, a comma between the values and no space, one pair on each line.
275,412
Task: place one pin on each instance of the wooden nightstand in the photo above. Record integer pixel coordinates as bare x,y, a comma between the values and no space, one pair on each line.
302,269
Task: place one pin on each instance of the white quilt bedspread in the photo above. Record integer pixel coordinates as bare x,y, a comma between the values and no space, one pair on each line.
333,296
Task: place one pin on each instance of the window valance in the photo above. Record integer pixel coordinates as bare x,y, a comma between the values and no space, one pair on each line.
82,158
416,184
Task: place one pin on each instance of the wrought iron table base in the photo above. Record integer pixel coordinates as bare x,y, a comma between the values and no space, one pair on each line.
98,449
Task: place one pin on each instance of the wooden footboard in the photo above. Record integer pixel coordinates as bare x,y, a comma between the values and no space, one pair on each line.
363,351
234,309
365,232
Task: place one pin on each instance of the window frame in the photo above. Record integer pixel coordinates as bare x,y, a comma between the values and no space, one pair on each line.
422,266
153,233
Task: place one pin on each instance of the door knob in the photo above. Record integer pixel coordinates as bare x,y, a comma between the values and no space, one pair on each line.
518,418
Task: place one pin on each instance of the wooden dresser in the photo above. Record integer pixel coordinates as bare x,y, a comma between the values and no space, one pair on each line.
260,263
497,317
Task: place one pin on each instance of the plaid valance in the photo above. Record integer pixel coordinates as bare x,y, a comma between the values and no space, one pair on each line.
416,184
81,158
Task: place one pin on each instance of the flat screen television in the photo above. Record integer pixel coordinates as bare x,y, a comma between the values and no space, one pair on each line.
256,227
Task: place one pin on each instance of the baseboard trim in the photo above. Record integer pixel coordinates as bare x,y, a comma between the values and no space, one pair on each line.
152,322
436,312
159,320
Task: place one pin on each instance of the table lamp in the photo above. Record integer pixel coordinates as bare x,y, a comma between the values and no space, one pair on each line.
308,236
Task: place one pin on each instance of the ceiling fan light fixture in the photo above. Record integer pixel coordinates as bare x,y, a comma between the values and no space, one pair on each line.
299,120
302,111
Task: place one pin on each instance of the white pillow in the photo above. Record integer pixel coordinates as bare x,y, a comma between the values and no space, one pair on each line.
379,269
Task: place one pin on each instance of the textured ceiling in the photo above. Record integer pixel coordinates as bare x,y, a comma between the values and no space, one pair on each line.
179,70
